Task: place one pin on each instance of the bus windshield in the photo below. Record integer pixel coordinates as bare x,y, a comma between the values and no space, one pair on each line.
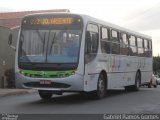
49,46
50,41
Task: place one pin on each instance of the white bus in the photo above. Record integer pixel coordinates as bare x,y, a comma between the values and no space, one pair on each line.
63,52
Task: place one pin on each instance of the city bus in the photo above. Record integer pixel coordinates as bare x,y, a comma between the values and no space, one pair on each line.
64,52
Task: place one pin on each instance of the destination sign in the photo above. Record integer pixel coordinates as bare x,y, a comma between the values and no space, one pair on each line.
51,21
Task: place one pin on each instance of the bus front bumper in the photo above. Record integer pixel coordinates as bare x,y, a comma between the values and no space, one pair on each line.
71,83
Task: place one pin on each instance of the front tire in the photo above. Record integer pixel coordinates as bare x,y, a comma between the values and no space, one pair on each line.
101,87
46,95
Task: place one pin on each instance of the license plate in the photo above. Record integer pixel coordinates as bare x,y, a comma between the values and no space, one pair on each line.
46,82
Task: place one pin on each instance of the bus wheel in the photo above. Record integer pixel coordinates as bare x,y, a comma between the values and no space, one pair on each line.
101,87
137,82
149,85
46,95
155,86
128,88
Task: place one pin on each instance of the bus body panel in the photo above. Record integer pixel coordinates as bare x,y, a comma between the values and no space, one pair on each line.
120,69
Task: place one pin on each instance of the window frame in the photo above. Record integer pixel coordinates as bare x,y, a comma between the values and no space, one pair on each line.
111,38
107,40
115,40
124,44
94,24
131,45
90,56
108,32
140,46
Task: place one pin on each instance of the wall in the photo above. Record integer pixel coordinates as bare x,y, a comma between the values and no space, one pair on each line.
7,54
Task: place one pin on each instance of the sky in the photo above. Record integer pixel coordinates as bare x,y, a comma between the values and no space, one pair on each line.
139,15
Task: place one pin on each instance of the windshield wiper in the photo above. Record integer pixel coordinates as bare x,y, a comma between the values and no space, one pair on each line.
52,42
44,42
47,45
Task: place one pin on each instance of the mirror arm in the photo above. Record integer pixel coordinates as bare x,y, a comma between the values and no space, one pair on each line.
13,28
13,47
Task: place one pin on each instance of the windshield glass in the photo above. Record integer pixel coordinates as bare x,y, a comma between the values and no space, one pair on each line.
49,46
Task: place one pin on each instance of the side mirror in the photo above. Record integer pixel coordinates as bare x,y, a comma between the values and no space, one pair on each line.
10,40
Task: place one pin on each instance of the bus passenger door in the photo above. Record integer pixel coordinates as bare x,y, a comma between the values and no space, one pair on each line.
91,49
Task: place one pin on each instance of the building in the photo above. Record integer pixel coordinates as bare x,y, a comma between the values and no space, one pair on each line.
7,54
12,19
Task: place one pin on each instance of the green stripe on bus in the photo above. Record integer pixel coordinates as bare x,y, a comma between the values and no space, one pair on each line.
47,74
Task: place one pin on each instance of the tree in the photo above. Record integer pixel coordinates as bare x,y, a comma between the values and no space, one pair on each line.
156,65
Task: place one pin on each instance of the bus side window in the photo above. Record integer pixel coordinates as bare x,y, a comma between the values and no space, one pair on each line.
91,46
88,42
114,35
132,47
115,42
124,44
150,48
105,42
91,42
146,50
140,47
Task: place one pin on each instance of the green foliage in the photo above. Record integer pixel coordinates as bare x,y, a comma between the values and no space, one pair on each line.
156,65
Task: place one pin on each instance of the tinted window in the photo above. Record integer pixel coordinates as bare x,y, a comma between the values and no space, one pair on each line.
146,50
150,45
105,42
91,46
140,47
114,35
92,28
145,44
132,41
104,33
150,48
139,42
115,47
123,44
133,47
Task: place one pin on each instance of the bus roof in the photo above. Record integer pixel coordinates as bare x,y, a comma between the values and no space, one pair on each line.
87,18
107,24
